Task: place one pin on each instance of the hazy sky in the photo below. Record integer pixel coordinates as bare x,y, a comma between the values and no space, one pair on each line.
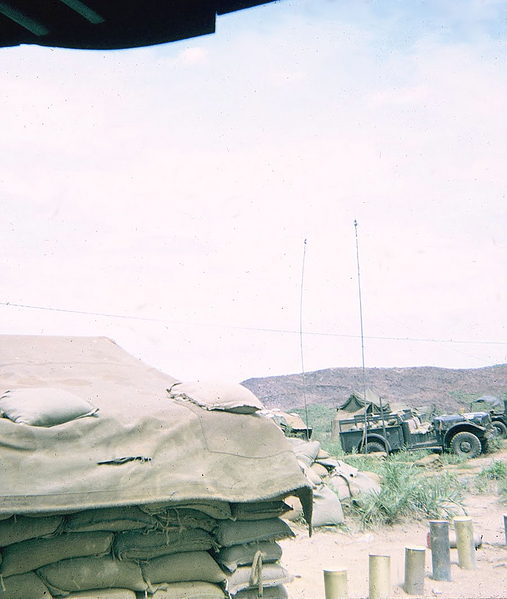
162,196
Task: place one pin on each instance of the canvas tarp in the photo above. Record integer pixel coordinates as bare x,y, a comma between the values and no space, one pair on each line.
358,401
356,404
141,447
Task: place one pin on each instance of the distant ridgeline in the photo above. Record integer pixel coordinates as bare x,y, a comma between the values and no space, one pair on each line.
448,389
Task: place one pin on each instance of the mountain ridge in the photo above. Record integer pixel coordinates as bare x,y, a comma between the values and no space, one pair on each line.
447,388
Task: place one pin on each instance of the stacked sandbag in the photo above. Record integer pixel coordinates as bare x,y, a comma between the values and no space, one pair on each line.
333,481
317,466
348,482
111,553
182,551
15,533
193,550
249,553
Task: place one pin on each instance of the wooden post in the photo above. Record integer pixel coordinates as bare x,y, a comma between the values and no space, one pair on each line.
415,558
335,584
440,550
380,577
465,542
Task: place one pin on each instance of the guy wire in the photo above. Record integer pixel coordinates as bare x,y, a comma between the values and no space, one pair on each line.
301,340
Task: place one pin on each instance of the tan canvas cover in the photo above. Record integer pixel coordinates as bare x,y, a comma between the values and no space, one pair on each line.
141,446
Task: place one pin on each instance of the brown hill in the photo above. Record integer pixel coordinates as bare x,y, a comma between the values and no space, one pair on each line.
448,389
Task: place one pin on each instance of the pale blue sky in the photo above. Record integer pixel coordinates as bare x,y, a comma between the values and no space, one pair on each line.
173,187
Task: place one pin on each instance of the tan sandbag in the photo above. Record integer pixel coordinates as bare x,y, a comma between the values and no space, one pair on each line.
219,510
189,590
296,512
329,463
22,528
374,477
35,553
231,558
362,483
212,395
137,545
327,509
323,454
279,592
306,451
182,567
240,532
184,518
273,575
311,476
104,594
319,470
340,485
24,586
346,469
42,406
113,519
87,573
259,510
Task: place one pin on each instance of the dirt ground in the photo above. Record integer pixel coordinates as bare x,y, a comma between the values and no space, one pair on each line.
306,558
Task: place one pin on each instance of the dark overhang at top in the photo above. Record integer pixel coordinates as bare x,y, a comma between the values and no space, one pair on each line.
110,24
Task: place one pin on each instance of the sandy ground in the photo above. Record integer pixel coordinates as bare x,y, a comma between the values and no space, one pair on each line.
306,558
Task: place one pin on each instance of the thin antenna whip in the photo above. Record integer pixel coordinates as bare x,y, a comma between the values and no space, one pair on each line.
360,309
301,339
365,437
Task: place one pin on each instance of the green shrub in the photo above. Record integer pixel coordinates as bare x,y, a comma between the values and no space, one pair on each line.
495,471
451,459
493,478
408,456
408,492
494,445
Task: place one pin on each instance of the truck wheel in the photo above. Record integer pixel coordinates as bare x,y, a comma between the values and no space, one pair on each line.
466,445
500,428
372,447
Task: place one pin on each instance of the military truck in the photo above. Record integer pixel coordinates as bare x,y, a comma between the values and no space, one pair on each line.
465,435
497,410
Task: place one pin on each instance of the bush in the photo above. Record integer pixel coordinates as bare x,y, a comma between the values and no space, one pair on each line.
408,492
494,475
495,471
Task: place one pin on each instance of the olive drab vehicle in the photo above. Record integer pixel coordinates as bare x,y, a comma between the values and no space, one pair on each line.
497,410
465,435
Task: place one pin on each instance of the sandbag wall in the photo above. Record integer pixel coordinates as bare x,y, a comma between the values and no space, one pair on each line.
183,551
332,480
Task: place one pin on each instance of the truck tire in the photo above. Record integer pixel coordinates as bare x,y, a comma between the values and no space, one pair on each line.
372,447
500,428
466,445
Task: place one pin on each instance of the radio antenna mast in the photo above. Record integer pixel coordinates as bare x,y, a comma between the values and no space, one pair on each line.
360,309
301,340
365,430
